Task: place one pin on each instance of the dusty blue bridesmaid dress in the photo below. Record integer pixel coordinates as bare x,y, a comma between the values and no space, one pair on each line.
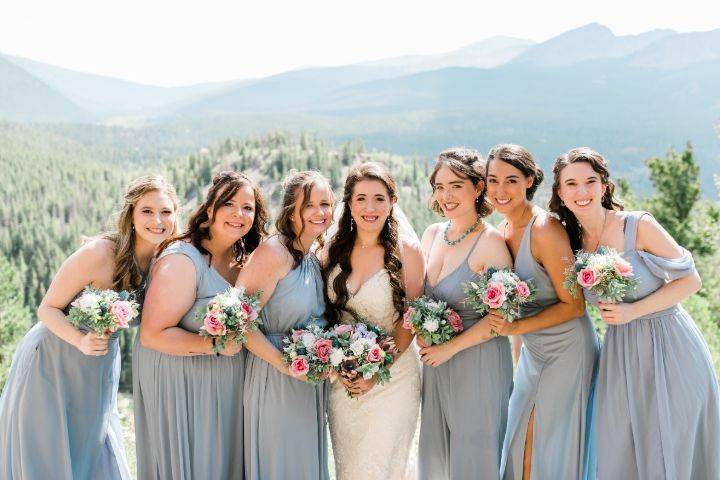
657,407
58,411
188,409
464,400
555,376
285,418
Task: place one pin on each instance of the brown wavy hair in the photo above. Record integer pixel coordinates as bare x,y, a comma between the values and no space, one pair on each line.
128,275
465,163
520,158
224,186
556,205
294,184
342,243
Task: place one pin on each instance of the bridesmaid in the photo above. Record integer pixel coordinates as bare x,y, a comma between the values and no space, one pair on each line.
657,412
467,381
371,268
547,434
58,416
285,434
187,399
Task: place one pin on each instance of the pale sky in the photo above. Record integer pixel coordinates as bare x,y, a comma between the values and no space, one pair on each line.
179,42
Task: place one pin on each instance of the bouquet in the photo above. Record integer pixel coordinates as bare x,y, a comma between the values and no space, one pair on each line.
230,314
499,289
362,349
432,320
307,352
604,273
103,311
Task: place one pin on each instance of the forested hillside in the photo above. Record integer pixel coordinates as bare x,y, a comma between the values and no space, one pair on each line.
55,191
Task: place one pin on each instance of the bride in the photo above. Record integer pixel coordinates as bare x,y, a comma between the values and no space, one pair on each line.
372,265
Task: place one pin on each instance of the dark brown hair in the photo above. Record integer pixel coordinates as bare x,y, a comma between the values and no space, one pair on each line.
127,274
341,244
465,163
520,158
223,188
600,166
294,184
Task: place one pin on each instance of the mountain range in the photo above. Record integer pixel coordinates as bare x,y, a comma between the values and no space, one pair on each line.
630,96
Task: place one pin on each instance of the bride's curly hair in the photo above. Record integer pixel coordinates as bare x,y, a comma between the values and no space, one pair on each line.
341,244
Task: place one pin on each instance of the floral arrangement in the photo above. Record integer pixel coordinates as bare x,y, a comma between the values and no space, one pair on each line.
307,351
499,289
230,314
604,273
103,311
362,349
432,320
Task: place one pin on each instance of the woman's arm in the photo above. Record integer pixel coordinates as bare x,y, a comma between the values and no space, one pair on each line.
654,239
267,265
92,264
413,274
492,253
170,295
551,247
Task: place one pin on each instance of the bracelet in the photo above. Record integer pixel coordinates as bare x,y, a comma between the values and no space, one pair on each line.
214,340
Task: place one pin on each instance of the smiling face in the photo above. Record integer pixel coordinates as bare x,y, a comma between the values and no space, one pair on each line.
234,218
581,188
507,186
370,205
154,217
455,195
311,219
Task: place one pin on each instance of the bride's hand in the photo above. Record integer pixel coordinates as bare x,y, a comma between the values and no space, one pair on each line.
362,386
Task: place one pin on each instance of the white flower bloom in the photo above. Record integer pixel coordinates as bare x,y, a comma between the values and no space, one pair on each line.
308,339
89,301
357,347
336,356
431,325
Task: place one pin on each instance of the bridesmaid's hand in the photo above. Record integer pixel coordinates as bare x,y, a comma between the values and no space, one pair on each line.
436,355
231,348
91,345
500,326
617,313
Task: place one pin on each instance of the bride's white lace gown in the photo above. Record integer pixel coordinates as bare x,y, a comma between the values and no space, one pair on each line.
372,435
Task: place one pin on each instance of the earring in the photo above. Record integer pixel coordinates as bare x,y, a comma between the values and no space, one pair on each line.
562,204
352,224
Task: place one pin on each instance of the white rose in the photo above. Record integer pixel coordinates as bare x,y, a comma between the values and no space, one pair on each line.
357,347
88,301
431,325
336,356
308,339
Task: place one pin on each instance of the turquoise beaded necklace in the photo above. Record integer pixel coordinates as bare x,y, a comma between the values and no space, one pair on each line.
461,237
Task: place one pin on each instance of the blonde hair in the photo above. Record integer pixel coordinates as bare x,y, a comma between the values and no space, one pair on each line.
128,275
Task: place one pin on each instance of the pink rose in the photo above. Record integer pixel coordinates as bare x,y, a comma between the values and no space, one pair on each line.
297,335
323,348
455,321
248,311
623,267
299,365
522,289
375,354
343,329
588,277
122,313
407,318
213,325
494,295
